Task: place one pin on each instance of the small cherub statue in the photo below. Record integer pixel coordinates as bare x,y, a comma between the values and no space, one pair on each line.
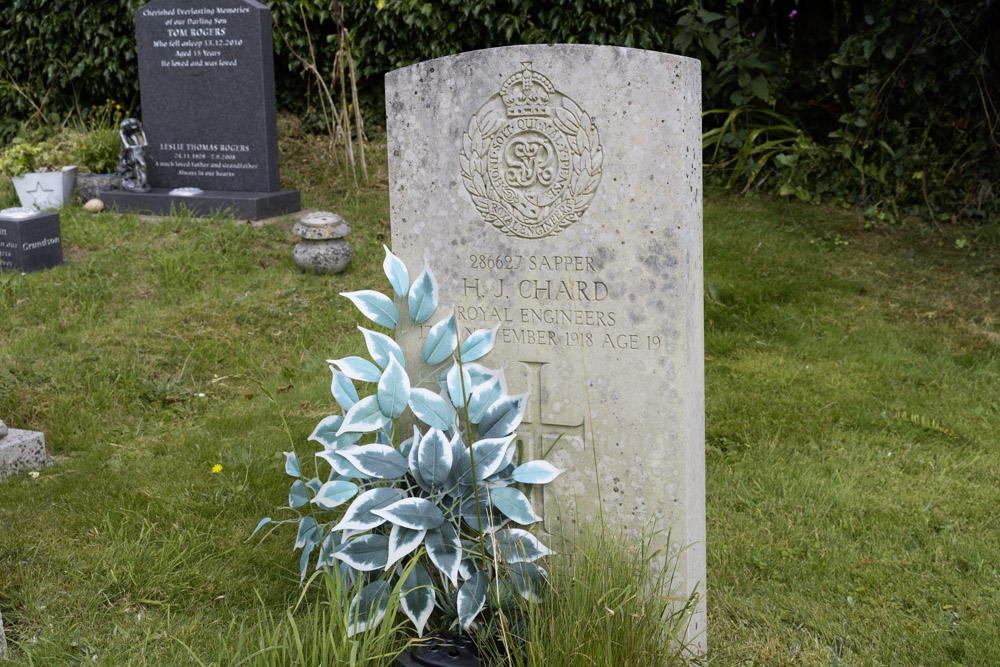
132,159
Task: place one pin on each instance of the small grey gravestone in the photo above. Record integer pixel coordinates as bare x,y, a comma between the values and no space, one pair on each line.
206,79
21,451
30,240
556,192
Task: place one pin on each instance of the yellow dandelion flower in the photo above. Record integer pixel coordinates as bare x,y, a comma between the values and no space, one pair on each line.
379,4
217,467
83,147
118,106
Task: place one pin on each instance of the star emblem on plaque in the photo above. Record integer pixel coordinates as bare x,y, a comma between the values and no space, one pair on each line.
531,158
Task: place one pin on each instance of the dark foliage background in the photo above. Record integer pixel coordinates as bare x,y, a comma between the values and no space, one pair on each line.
893,106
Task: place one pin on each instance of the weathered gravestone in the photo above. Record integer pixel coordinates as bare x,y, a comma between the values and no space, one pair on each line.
30,239
206,78
556,192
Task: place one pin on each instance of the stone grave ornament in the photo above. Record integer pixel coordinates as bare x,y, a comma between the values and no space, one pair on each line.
30,240
322,247
557,192
206,83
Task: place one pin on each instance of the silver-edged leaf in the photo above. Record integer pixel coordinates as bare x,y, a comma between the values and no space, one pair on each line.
291,465
478,344
396,272
340,465
514,505
342,389
485,394
482,517
335,493
471,598
536,472
516,545
298,495
325,433
459,385
403,541
487,454
327,549
382,348
263,522
527,579
417,597
375,306
433,458
393,390
423,296
364,416
445,550
304,560
359,515
365,553
380,461
368,607
431,408
414,513
358,368
308,532
411,460
503,417
315,485
441,341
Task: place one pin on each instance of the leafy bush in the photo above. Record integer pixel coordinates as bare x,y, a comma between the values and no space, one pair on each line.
439,519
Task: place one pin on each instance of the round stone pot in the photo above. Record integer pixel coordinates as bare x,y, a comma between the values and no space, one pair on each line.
442,651
321,247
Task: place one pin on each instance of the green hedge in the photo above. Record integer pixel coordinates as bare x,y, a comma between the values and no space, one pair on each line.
890,105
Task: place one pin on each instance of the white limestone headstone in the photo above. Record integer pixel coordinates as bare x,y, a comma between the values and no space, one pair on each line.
556,192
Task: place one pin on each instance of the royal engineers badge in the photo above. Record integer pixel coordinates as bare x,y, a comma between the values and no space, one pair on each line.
531,158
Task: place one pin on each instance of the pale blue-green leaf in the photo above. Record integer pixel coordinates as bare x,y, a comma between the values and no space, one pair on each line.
406,446
431,408
298,496
291,465
315,485
343,389
325,433
263,522
340,465
382,438
514,505
417,597
308,532
445,550
471,598
364,416
357,368
503,417
327,550
516,545
478,344
335,493
396,272
359,515
527,579
485,395
382,348
393,390
434,458
368,607
441,341
423,296
304,560
379,461
536,472
375,306
415,513
488,456
411,460
401,542
459,385
365,553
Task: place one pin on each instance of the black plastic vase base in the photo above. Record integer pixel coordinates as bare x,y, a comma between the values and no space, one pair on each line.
442,651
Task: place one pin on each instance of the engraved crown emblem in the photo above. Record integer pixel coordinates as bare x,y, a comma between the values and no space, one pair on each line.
527,93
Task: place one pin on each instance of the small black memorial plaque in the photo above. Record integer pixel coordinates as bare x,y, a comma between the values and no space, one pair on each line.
29,240
206,80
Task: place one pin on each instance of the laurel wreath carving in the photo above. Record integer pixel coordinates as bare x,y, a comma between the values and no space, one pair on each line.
587,158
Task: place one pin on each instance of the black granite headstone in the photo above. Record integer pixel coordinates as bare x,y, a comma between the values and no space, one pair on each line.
30,243
206,81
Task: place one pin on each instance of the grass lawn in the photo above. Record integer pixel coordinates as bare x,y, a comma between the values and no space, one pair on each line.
853,398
